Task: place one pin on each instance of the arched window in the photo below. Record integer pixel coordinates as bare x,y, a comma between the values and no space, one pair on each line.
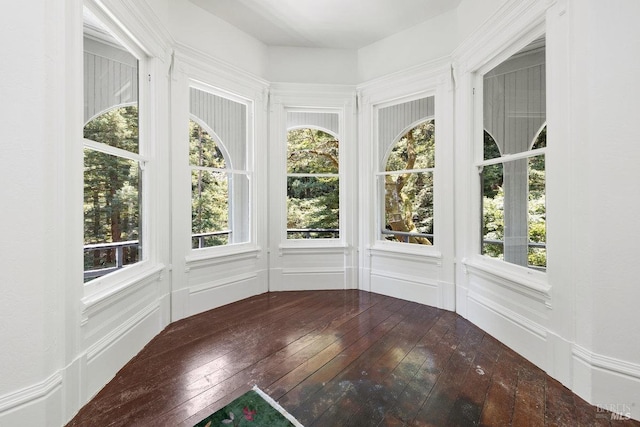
113,164
313,197
407,181
209,190
512,172
219,163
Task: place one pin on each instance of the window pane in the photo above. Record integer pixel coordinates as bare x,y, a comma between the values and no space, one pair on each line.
408,207
312,207
312,151
110,87
493,211
116,128
491,150
415,150
510,232
111,211
514,100
203,151
209,209
240,196
537,254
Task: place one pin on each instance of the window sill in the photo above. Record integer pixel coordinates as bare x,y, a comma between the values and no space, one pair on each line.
310,245
531,283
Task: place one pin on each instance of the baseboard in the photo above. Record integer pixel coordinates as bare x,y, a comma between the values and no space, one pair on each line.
38,404
55,400
407,287
213,294
514,330
110,354
308,279
608,383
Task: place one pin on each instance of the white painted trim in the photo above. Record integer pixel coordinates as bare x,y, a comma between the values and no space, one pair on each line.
114,151
526,284
507,314
488,41
405,278
308,248
209,258
312,270
407,251
237,77
606,363
222,282
394,84
31,393
121,330
97,302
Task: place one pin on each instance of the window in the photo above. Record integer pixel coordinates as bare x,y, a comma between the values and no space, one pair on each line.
512,171
113,165
313,183
408,187
406,136
218,136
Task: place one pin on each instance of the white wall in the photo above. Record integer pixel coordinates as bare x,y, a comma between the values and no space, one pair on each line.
312,65
605,114
194,27
432,39
30,309
471,14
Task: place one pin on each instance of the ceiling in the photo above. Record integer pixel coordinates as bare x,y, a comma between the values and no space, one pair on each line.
339,24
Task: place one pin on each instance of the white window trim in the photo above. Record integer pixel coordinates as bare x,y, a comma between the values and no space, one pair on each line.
379,244
148,265
285,242
250,246
532,279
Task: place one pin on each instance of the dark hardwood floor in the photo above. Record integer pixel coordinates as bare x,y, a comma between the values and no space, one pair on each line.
336,358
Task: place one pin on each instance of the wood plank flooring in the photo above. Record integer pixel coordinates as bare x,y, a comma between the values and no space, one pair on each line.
336,358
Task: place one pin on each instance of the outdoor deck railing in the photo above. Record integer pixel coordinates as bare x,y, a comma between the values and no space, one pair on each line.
306,232
118,260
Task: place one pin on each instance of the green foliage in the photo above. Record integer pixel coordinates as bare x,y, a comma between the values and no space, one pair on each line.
493,226
313,202
409,195
111,186
312,151
117,128
209,189
203,150
493,202
492,175
415,150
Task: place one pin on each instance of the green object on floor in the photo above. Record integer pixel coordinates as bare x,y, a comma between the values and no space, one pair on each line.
254,408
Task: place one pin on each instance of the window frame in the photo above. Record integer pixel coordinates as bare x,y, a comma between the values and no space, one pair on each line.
534,278
319,242
379,243
316,175
382,173
129,274
199,254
